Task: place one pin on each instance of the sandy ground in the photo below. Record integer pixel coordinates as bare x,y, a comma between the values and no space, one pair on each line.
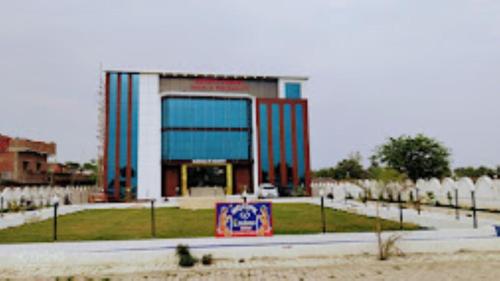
432,255
461,265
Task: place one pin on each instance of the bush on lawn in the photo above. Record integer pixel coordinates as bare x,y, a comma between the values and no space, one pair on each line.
185,257
207,259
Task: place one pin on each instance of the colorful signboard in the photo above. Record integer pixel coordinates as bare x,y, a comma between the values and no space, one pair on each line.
220,85
243,219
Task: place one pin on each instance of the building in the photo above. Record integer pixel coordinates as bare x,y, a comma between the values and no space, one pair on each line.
24,162
67,175
178,134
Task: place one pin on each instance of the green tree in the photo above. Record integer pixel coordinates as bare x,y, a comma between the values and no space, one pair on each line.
472,172
386,175
417,157
349,168
324,173
72,165
91,167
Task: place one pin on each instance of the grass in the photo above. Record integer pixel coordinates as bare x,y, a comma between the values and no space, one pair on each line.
127,224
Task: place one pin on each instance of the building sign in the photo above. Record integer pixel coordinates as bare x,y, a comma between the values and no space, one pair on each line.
208,161
219,85
243,219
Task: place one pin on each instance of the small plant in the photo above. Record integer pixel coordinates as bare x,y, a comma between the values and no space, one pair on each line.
185,257
13,207
380,196
388,247
207,259
298,191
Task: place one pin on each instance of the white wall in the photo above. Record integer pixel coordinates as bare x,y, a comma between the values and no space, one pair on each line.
149,148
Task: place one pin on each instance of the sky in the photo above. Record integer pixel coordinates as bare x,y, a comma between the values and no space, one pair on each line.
377,68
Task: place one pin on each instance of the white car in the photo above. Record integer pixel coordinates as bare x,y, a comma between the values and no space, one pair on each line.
267,190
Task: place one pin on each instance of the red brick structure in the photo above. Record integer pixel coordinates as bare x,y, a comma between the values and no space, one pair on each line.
24,161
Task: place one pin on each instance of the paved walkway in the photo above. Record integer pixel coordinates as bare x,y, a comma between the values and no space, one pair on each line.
430,217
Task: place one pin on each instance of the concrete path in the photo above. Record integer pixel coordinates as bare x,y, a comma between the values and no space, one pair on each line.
430,217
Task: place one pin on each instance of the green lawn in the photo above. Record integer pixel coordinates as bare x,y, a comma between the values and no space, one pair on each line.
120,224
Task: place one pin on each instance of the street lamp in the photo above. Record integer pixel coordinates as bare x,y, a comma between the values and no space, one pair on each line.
473,198
323,222
55,203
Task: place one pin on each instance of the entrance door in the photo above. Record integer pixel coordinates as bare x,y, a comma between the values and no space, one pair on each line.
206,175
243,179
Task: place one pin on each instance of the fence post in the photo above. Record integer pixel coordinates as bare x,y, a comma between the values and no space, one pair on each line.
474,214
400,211
1,206
418,201
55,220
457,215
153,224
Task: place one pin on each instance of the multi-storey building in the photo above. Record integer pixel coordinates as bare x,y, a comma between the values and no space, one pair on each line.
176,134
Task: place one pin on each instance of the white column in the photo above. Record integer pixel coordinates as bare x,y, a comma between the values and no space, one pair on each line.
149,149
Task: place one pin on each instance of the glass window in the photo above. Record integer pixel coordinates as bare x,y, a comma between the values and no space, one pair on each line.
300,143
276,145
123,127
264,149
207,145
287,112
113,78
135,127
293,91
205,113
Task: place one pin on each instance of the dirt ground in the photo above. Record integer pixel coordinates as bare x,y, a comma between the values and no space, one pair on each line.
462,265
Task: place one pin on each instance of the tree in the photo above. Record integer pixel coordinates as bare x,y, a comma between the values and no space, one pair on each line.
472,172
349,168
72,165
386,175
417,157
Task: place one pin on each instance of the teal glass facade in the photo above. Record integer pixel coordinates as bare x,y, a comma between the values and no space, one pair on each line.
293,90
283,142
121,147
206,128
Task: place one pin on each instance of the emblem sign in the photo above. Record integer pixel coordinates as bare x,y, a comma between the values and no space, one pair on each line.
243,219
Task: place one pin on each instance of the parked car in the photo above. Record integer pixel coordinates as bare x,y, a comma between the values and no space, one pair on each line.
267,190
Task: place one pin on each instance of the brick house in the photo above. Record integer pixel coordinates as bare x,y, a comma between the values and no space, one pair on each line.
24,161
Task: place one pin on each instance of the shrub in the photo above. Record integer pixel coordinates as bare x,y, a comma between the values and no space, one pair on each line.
185,257
207,259
388,247
13,207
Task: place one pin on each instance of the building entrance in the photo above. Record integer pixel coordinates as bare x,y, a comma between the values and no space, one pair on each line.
203,179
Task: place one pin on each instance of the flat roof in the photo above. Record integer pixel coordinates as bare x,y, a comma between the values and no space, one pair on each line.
205,74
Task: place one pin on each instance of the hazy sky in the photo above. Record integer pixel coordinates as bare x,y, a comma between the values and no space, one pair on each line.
377,68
